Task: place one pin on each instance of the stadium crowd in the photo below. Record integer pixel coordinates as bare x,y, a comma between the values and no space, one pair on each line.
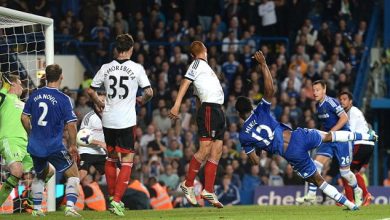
328,45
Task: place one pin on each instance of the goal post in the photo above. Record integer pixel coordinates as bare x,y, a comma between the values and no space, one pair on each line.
26,18
21,49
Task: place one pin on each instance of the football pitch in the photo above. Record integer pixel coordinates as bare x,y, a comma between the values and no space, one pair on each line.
236,212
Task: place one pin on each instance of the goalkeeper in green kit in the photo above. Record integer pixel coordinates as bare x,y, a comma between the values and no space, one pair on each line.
13,137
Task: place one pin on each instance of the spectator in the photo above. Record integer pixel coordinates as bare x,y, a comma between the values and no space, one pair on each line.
235,178
230,67
185,117
82,107
100,27
169,178
174,151
146,138
230,43
228,194
275,178
161,121
252,180
268,17
156,147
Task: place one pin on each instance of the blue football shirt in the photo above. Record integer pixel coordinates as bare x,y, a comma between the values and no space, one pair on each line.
262,131
329,112
50,110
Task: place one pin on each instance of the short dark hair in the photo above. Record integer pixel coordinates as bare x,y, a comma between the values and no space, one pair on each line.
243,105
347,93
321,82
53,73
124,42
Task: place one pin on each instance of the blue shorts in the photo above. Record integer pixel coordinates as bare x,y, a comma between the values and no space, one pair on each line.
342,151
61,160
297,154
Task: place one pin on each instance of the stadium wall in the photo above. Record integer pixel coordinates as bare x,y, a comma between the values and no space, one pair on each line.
286,195
72,68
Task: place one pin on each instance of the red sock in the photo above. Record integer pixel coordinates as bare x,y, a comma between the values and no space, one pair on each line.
348,190
110,170
210,171
192,171
122,183
361,184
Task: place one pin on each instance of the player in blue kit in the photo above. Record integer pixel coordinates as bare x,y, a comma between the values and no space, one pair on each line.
46,113
332,118
261,131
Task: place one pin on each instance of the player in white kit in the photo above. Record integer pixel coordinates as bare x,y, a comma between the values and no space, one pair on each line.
362,150
95,153
121,79
210,120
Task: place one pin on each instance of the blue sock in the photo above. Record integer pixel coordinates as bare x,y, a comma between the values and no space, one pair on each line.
342,200
72,191
358,136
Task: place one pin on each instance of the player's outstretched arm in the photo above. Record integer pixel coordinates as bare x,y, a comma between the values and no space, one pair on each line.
269,89
343,119
72,147
26,123
174,113
253,158
95,98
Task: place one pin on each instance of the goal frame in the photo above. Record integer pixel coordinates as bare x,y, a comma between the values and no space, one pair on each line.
48,24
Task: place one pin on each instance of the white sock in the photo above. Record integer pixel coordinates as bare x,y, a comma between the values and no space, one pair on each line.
37,187
350,177
332,192
313,188
343,136
72,191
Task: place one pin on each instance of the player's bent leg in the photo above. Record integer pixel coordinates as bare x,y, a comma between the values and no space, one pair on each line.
350,177
345,136
16,170
331,191
210,174
319,163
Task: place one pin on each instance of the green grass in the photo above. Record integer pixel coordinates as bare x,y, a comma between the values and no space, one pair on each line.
236,212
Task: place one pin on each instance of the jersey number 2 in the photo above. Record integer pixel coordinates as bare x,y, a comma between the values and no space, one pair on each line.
41,120
256,134
121,85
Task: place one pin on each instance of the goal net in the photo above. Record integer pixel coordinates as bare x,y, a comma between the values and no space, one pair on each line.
26,47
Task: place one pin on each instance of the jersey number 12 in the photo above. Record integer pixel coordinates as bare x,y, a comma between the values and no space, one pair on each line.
266,140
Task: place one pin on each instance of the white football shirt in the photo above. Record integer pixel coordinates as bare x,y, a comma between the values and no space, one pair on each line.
357,123
121,79
206,83
92,121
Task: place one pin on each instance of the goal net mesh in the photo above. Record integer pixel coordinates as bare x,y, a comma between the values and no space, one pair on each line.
22,52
